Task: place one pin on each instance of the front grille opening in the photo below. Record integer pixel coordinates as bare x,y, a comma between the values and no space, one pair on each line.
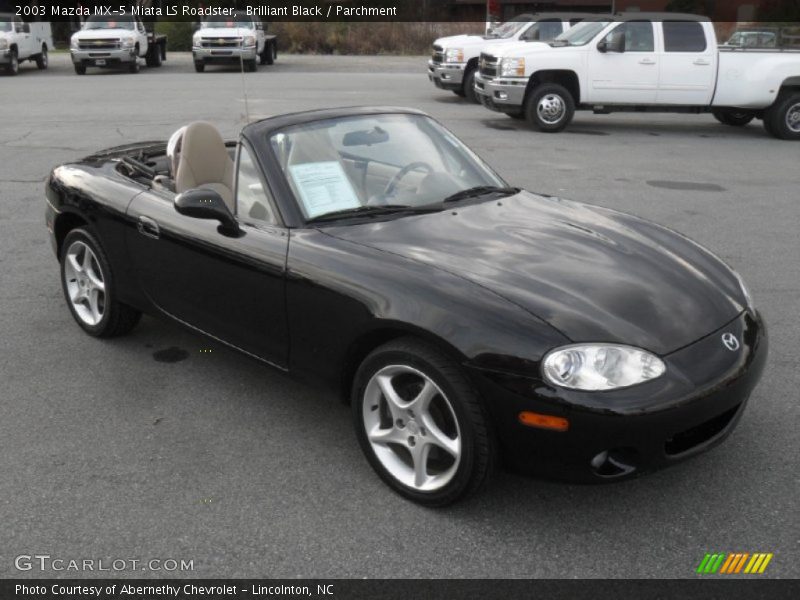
686,440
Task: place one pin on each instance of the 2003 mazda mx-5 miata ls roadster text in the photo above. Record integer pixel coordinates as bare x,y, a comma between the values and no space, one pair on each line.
463,319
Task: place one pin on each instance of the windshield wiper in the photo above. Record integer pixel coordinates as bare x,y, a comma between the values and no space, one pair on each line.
385,209
481,190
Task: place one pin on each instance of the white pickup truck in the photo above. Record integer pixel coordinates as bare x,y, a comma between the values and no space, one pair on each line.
231,40
20,41
116,40
455,58
663,62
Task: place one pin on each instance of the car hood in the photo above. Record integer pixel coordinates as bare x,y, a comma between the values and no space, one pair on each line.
468,41
103,34
521,48
592,273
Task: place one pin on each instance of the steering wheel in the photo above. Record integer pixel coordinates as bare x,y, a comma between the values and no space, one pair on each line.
391,187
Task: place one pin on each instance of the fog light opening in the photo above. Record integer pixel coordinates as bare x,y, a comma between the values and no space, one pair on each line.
616,462
501,95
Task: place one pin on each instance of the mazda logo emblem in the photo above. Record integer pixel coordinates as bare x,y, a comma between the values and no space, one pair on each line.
730,342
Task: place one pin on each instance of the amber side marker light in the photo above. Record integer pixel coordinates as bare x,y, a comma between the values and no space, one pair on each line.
532,419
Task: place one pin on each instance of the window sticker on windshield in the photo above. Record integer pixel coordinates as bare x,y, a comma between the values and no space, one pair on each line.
323,187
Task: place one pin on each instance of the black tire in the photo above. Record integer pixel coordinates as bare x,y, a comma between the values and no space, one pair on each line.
558,97
133,67
782,119
732,117
80,69
42,61
478,450
199,66
517,116
468,86
12,68
250,65
459,92
153,56
118,318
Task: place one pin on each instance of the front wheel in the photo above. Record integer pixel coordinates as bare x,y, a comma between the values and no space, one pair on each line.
12,68
134,66
782,119
469,86
549,107
733,118
80,69
421,424
250,65
153,56
42,60
88,285
199,67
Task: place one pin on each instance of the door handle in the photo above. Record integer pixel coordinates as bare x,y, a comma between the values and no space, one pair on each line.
647,61
148,227
702,62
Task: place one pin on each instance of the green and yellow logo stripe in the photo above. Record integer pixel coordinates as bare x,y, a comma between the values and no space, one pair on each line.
734,562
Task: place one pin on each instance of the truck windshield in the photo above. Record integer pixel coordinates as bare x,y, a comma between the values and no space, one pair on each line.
581,34
222,23
5,25
378,164
507,29
109,23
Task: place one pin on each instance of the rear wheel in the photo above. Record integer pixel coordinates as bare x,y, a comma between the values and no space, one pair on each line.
88,285
199,66
782,119
469,86
80,69
42,61
549,107
12,68
732,117
153,56
420,423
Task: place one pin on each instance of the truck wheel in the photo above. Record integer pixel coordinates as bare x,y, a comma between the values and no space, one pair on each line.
269,54
549,107
469,86
250,65
134,66
12,68
782,119
153,56
517,116
42,60
199,66
732,117
80,69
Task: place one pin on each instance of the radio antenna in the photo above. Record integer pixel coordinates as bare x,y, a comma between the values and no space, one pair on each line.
244,91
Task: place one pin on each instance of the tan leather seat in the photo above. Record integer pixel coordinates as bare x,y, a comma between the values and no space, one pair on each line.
205,163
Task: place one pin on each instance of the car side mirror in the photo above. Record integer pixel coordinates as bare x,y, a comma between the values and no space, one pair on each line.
203,203
26,28
616,43
195,26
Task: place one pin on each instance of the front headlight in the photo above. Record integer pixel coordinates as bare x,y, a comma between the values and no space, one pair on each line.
454,55
249,41
73,43
3,44
597,367
128,42
512,67
196,39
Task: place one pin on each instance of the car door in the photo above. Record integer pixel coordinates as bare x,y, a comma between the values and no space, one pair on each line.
628,77
688,64
24,39
231,288
142,35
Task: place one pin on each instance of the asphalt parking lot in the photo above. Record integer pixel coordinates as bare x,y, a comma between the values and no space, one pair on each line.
107,450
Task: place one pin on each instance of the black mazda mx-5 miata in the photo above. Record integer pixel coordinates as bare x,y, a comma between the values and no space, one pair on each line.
463,319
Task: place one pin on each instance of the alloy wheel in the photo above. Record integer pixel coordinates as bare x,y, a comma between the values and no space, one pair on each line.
85,284
793,118
551,109
412,428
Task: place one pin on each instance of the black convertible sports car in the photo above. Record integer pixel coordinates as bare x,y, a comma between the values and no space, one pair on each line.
463,319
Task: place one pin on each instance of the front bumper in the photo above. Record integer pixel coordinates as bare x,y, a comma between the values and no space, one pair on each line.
103,58
501,94
623,433
223,55
5,57
446,76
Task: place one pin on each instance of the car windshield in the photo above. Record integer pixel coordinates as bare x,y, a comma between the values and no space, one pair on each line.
229,23
109,22
508,29
5,25
354,165
581,34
